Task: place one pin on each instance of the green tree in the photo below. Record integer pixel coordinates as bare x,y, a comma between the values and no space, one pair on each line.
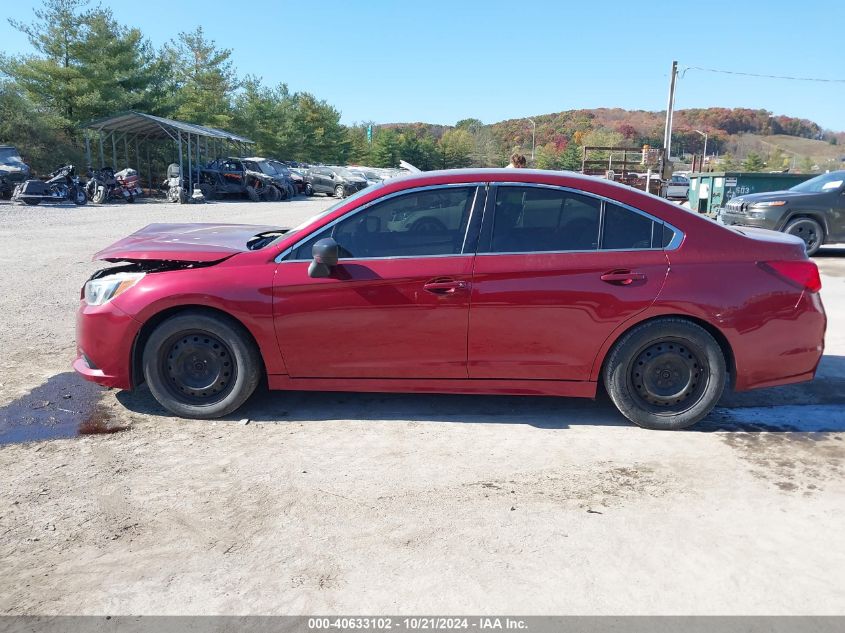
205,78
321,136
385,152
456,147
806,165
778,160
727,162
571,158
753,162
38,134
470,125
86,65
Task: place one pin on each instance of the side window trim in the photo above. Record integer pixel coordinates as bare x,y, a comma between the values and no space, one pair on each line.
474,210
487,226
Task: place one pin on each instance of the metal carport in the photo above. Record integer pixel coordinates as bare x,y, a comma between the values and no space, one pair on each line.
137,128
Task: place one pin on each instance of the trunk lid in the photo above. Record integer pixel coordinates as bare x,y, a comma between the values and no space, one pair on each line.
766,244
185,242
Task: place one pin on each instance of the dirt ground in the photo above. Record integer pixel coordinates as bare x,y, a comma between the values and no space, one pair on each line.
402,504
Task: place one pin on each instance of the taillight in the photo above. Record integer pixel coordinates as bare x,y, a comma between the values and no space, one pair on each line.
802,273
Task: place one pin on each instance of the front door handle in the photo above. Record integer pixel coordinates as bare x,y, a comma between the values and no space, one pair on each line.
445,286
622,277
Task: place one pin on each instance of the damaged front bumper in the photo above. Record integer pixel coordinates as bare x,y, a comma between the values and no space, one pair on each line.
105,336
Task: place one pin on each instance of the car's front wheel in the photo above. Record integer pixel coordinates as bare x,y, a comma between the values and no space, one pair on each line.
665,374
339,192
309,190
808,230
199,365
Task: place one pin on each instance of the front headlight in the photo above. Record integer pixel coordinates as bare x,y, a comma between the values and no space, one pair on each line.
100,291
770,203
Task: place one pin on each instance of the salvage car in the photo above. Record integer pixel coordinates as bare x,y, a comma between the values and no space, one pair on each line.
331,180
813,210
542,283
231,177
676,188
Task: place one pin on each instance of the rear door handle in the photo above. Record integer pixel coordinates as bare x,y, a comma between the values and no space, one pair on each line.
445,286
622,277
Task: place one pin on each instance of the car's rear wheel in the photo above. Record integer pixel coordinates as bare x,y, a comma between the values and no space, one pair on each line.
665,374
200,365
808,230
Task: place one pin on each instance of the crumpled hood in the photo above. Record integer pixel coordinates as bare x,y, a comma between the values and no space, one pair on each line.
184,242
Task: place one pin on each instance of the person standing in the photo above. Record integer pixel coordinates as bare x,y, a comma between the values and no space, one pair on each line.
518,161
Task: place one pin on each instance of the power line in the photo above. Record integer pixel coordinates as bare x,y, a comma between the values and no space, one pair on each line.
735,72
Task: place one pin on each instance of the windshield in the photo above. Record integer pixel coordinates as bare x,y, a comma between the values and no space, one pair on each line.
281,169
9,155
342,171
825,182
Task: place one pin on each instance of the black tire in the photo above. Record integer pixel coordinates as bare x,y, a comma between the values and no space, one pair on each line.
131,198
252,193
80,198
808,230
309,190
428,225
271,194
199,365
99,196
339,192
31,203
207,191
665,374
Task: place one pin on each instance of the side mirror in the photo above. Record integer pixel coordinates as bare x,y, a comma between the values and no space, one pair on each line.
325,253
333,176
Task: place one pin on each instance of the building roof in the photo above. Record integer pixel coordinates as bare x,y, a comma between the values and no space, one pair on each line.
156,127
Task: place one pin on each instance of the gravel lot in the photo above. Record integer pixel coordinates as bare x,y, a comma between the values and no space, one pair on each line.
355,503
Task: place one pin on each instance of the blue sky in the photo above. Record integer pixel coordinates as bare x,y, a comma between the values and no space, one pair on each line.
440,61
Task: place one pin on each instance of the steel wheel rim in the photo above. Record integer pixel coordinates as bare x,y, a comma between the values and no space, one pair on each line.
198,367
807,232
669,376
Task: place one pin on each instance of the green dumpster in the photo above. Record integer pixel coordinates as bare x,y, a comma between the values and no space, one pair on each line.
711,190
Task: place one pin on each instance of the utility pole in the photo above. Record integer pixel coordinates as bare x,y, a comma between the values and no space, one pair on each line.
667,132
704,156
533,137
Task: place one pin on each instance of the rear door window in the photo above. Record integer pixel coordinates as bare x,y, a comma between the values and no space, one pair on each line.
538,219
625,229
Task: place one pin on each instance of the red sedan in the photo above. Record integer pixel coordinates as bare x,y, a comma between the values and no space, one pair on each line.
465,281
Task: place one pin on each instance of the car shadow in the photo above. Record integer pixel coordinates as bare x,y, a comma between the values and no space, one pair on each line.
815,407
830,252
67,406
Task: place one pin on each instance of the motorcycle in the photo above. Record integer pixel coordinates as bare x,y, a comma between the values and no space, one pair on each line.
62,185
104,184
175,185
